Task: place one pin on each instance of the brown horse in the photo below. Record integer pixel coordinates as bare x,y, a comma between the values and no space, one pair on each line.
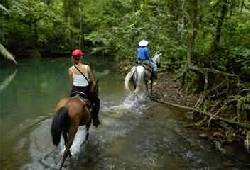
72,112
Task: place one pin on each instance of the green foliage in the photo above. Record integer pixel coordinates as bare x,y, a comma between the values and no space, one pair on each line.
33,24
116,26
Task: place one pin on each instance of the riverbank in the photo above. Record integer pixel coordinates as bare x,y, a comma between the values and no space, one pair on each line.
167,90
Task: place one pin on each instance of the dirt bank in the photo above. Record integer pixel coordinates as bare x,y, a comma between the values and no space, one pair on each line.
168,89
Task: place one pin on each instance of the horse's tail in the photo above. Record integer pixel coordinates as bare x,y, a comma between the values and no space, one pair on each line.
140,75
128,77
59,124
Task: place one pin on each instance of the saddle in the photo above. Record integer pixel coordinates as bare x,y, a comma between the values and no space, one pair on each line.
92,106
81,95
84,98
149,70
146,66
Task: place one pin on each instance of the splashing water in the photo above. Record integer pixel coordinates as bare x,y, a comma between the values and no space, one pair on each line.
133,103
78,141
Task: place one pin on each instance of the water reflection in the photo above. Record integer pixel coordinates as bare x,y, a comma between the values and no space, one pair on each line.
7,81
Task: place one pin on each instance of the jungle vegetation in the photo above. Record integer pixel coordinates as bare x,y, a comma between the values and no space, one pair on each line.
206,43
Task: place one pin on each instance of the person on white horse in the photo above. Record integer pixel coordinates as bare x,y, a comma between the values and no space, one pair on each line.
143,57
142,73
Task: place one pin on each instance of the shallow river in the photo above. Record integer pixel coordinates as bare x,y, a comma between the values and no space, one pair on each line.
135,133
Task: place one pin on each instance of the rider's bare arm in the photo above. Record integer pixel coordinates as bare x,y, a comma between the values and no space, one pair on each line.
70,75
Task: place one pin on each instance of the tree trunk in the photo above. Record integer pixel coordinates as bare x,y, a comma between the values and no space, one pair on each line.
7,54
221,17
80,43
193,22
194,27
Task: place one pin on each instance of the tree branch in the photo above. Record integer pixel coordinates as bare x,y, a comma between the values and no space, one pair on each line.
231,122
203,70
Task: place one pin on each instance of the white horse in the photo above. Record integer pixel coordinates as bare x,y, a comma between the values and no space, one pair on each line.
141,74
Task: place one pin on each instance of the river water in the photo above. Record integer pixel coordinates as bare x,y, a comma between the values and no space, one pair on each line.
135,133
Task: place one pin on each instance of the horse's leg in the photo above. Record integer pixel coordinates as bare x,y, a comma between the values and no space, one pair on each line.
65,137
146,85
87,131
71,135
95,111
149,76
151,86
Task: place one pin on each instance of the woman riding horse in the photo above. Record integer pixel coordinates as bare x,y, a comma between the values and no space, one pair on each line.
79,109
81,78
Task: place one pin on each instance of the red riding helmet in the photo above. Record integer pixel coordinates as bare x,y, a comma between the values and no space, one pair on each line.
77,53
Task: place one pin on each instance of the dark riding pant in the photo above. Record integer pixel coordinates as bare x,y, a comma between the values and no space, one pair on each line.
96,108
81,91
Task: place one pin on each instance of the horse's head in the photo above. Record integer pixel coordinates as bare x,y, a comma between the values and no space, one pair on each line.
156,59
94,89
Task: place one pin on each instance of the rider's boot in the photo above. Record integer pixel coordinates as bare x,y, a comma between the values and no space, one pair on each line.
96,108
154,75
96,121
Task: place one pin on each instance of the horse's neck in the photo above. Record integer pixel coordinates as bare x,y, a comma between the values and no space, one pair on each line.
155,58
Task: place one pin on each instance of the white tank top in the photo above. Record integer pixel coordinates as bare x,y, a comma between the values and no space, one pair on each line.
79,80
